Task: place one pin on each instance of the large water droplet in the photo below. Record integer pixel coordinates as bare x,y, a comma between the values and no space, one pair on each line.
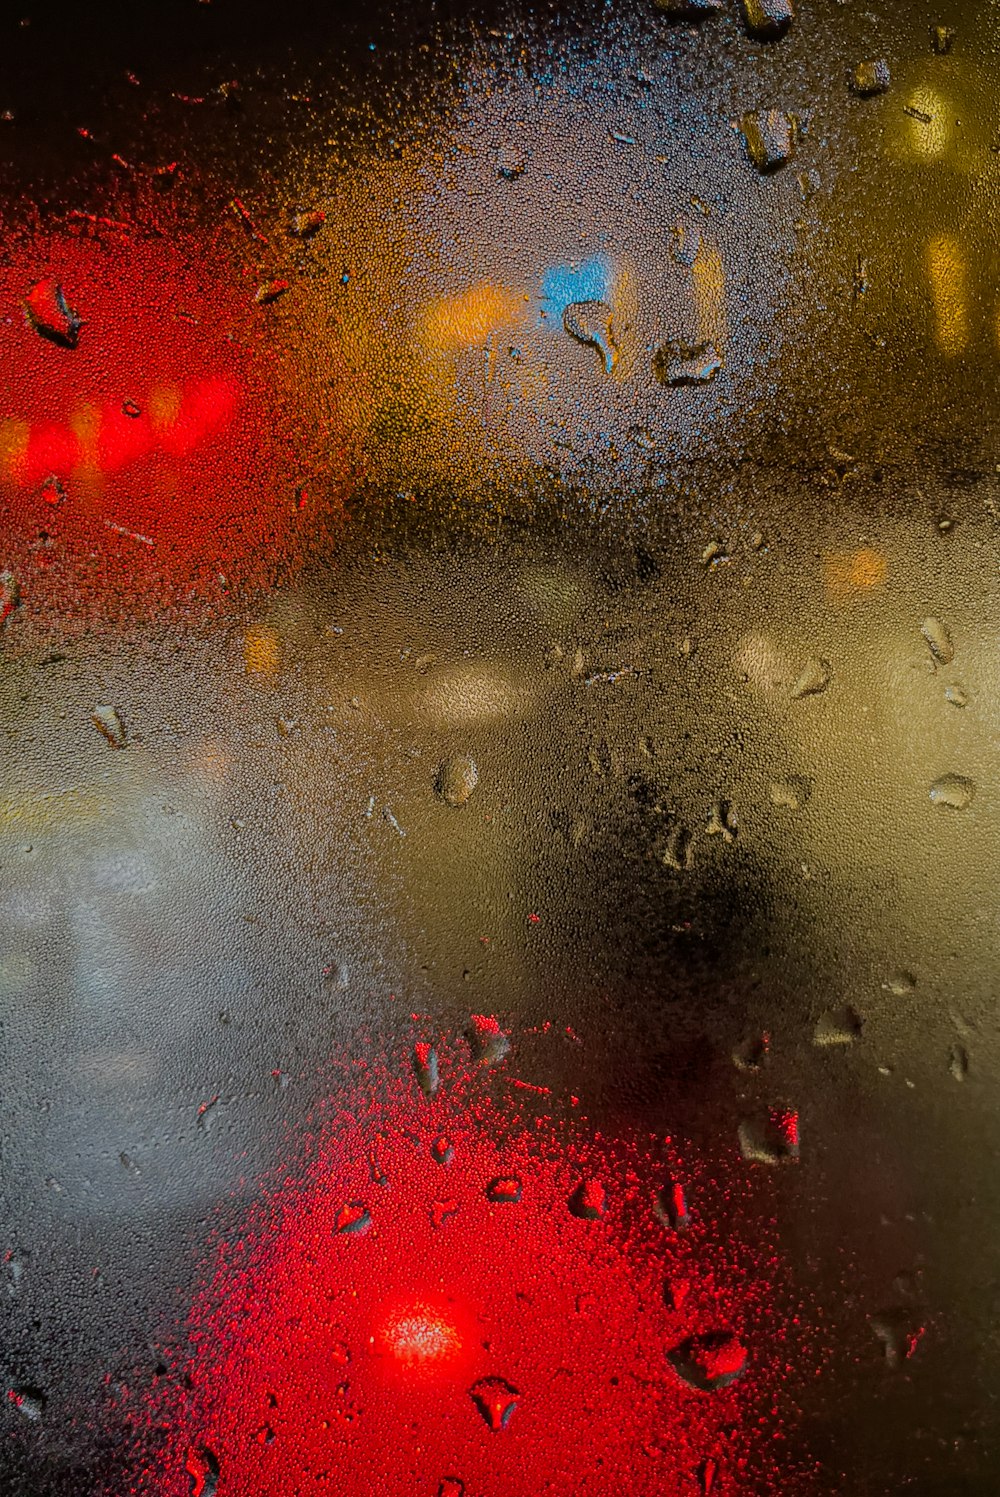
773,1139
767,20
425,1068
353,1218
442,1150
956,695
791,794
678,363
505,1188
456,779
442,1212
590,322
671,1207
709,1361
953,790
900,982
108,721
939,640
29,1402
202,1466
451,1486
589,1200
871,77
942,38
838,1026
496,1400
50,314
770,138
899,1331
958,1062
487,1041
305,225
815,677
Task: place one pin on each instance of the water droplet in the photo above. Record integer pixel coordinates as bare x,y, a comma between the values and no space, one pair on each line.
770,138
689,10
815,677
442,1150
942,38
269,292
202,1465
715,555
953,790
671,1208
898,1332
791,794
589,322
10,595
443,1211
675,1293
589,1200
871,77
751,1054
354,1217
487,1041
768,19
305,225
678,853
425,1068
677,363
496,1400
900,983
53,491
958,1062
30,1402
709,1361
722,822
773,1139
451,1486
505,1188
265,1435
838,1026
956,695
50,314
708,1476
938,639
107,720
456,779
129,408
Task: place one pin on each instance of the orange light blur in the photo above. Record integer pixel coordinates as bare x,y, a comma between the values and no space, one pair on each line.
847,574
457,322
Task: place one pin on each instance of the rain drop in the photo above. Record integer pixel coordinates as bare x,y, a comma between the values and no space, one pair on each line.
202,1466
677,363
709,1361
456,780
30,1402
354,1218
770,137
938,639
814,678
589,1200
898,1333
487,1041
107,720
767,20
50,314
791,794
689,10
589,322
871,77
956,695
505,1189
425,1068
496,1400
442,1150
671,1208
838,1026
953,790
773,1139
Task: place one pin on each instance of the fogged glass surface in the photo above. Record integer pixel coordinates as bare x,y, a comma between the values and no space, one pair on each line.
499,665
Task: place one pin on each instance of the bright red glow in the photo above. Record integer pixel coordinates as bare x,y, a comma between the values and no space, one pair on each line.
421,1336
549,1323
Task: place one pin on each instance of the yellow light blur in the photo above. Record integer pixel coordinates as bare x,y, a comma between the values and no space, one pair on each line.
261,652
709,280
164,405
847,574
465,321
946,271
13,445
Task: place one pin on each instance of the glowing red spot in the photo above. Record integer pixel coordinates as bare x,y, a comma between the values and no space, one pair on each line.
420,1335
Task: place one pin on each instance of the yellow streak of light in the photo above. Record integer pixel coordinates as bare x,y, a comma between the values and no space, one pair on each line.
846,575
261,652
457,322
946,272
709,280
13,446
164,405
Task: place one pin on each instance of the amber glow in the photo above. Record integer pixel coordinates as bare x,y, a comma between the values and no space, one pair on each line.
946,272
848,574
466,320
